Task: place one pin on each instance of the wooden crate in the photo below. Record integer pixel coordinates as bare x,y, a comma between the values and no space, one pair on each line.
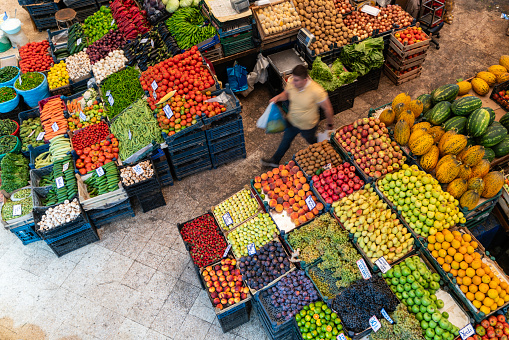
407,48
404,54
398,80
401,67
273,37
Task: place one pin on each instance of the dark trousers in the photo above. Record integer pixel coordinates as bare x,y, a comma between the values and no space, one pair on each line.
289,135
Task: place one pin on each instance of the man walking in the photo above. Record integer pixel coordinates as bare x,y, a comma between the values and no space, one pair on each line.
305,96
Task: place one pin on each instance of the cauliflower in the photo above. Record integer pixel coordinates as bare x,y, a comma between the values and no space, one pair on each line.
186,3
172,5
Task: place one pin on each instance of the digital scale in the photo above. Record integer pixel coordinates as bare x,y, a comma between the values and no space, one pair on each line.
240,6
305,37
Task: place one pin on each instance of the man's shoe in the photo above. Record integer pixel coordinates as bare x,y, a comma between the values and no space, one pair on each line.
269,163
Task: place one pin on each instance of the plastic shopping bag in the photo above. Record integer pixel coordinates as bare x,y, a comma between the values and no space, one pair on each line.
237,77
324,135
272,120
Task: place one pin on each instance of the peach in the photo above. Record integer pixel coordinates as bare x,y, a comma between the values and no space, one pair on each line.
219,272
229,295
219,306
299,174
208,268
302,202
231,284
291,163
303,180
236,294
214,278
302,219
272,203
309,215
257,179
296,222
224,284
222,295
281,194
209,284
212,289
289,211
295,170
243,296
279,183
292,201
277,190
284,173
291,193
298,186
315,211
285,180
276,177
231,301
305,208
275,171
270,180
217,284
272,186
266,188
245,290
319,206
305,187
302,193
294,215
280,200
286,205
257,186
216,301
206,278
270,174
281,167
296,207
264,183
229,278
224,301
286,197
236,300
264,177
219,289
296,182
279,208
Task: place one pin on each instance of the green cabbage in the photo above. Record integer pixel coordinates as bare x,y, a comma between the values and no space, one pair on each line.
331,78
172,5
364,56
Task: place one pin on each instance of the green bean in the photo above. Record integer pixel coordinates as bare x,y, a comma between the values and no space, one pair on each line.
8,207
7,73
29,80
6,94
7,127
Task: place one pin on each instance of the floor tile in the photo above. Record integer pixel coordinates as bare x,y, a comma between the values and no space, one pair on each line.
153,254
118,298
132,245
153,335
160,286
170,319
57,271
106,324
216,333
174,263
114,270
190,275
138,275
193,328
144,310
112,239
165,235
84,315
131,330
251,330
202,308
179,246
184,295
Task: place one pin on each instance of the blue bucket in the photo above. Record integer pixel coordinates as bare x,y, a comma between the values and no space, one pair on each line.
10,105
10,82
33,96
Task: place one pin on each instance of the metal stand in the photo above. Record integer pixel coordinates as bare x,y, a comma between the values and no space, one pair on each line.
431,22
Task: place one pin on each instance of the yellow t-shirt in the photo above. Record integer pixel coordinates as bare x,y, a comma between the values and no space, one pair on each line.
303,111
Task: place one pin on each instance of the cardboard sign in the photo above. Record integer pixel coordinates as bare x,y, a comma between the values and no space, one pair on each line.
129,134
83,117
78,42
227,250
386,316
110,100
467,331
341,336
144,40
65,167
154,85
40,136
227,219
328,166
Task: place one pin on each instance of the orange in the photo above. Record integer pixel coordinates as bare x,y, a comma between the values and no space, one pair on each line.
487,301
461,273
442,253
463,250
431,246
463,265
454,272
458,257
470,249
480,272
470,296
468,258
494,284
448,259
473,289
431,239
476,280
446,267
477,304
467,238
446,245
440,237
464,289
492,293
459,280
455,265
456,233
434,253
476,264
474,244
485,310
506,298
477,256
455,244
470,272
440,260
502,294
500,303
438,246
467,281
451,251
497,288
479,296
504,285
449,236
483,287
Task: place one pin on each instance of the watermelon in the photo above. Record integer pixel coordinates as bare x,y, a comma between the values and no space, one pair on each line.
492,114
478,122
505,120
457,123
466,105
447,92
489,154
493,135
502,148
439,113
427,102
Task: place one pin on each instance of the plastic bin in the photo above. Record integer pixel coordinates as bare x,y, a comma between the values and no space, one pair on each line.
193,148
485,232
26,234
142,187
75,240
228,156
224,127
234,317
237,43
151,200
11,82
101,217
9,105
368,82
44,23
42,9
197,163
232,106
33,96
343,98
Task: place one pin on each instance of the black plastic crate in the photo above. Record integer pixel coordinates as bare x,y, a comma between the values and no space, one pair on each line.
368,82
193,167
79,3
237,43
184,135
60,230
70,242
32,2
42,9
268,313
234,317
44,23
310,56
80,85
232,106
226,143
164,173
228,156
503,103
343,98
151,200
287,334
194,150
145,186
84,12
224,127
101,217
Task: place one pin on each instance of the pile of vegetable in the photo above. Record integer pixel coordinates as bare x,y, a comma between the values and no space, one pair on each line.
173,5
29,81
58,76
96,155
168,39
188,27
90,135
23,199
60,53
102,182
278,18
124,88
364,56
81,116
130,20
154,9
7,127
102,47
114,62
15,171
98,24
44,159
63,169
35,57
146,50
59,146
135,128
7,143
78,65
133,174
61,214
332,77
52,118
76,39
7,73
45,181
29,133
7,94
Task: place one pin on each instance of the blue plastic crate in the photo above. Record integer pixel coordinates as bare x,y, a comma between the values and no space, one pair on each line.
188,162
206,44
32,2
486,231
235,316
276,326
194,148
26,234
46,9
228,156
221,130
34,152
226,143
100,217
44,23
287,334
84,236
232,106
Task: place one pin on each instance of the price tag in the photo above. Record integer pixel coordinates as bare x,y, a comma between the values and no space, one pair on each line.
65,167
20,80
16,210
328,166
99,171
83,117
60,182
167,110
54,126
341,336
251,249
311,204
370,10
383,264
112,22
374,323
154,94
78,42
40,136
138,170
129,134
227,250
467,331
110,100
108,93
227,219
152,43
144,40
363,269
31,133
386,316
154,85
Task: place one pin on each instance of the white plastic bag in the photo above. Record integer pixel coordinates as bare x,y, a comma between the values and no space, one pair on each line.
259,74
324,135
264,118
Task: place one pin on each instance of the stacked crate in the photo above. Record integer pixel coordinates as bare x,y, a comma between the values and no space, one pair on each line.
162,167
83,8
41,12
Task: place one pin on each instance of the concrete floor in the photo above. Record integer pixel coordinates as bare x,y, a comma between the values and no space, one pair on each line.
138,281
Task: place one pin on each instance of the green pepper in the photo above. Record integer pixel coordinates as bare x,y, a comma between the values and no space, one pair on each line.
6,94
7,73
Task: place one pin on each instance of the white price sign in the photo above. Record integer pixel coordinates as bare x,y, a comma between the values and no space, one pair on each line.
227,250
467,331
83,117
152,43
54,126
363,269
20,80
40,136
328,166
112,22
310,203
60,182
65,167
78,42
99,171
110,100
374,323
227,219
144,40
108,93
341,336
154,94
383,264
31,133
138,170
154,85
16,210
167,110
370,10
129,134
251,249
386,315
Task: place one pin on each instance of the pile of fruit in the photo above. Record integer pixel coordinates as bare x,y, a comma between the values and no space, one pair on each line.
316,157
258,231
318,321
415,286
224,283
337,182
485,79
377,229
240,207
98,24
269,263
287,189
343,6
411,35
458,254
35,57
207,245
58,76
29,133
102,182
405,326
502,98
97,154
278,18
424,206
494,327
81,117
372,149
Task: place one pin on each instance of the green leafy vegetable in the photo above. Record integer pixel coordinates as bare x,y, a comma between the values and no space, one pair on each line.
364,56
331,78
14,172
320,71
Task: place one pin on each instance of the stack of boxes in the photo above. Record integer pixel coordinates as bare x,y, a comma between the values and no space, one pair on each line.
42,12
83,8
